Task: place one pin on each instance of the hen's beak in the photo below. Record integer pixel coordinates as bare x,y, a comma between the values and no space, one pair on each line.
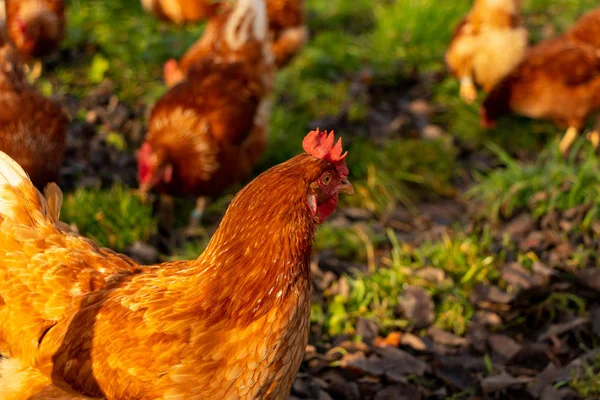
346,187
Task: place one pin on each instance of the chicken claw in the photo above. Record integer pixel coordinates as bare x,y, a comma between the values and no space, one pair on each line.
467,90
594,138
567,140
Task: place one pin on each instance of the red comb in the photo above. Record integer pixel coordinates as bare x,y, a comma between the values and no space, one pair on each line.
320,145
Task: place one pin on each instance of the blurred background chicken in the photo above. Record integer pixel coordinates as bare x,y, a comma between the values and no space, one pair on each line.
287,24
35,27
182,11
287,33
32,128
487,44
232,324
559,79
207,132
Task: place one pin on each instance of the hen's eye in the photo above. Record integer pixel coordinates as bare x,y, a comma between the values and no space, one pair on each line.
326,179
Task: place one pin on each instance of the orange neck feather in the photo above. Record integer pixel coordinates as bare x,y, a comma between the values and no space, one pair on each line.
261,251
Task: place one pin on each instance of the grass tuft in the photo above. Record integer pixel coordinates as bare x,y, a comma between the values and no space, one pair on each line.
415,31
114,218
588,385
466,260
385,176
551,183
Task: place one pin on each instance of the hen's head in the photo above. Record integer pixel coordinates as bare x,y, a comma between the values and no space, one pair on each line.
152,169
330,178
35,29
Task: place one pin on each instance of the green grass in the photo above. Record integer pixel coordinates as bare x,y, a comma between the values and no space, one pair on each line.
588,385
414,32
390,175
119,41
114,218
466,260
551,183
347,243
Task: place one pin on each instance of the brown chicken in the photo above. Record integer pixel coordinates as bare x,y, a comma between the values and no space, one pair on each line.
231,324
487,45
182,11
35,27
208,132
32,128
287,34
559,79
287,19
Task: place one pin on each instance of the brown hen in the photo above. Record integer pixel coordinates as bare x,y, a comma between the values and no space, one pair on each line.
182,11
233,323
559,79
208,132
35,27
287,34
32,128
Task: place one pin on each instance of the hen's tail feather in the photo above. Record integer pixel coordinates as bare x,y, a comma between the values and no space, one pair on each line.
18,381
20,201
11,172
54,198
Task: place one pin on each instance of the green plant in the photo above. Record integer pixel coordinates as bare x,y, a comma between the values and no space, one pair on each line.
550,183
588,384
127,46
465,260
415,31
115,218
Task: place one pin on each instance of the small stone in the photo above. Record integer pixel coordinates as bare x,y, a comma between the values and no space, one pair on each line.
349,359
420,107
399,364
493,294
367,330
543,380
504,346
520,226
446,338
431,132
503,381
354,346
431,274
410,340
514,274
417,306
364,365
542,270
487,318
